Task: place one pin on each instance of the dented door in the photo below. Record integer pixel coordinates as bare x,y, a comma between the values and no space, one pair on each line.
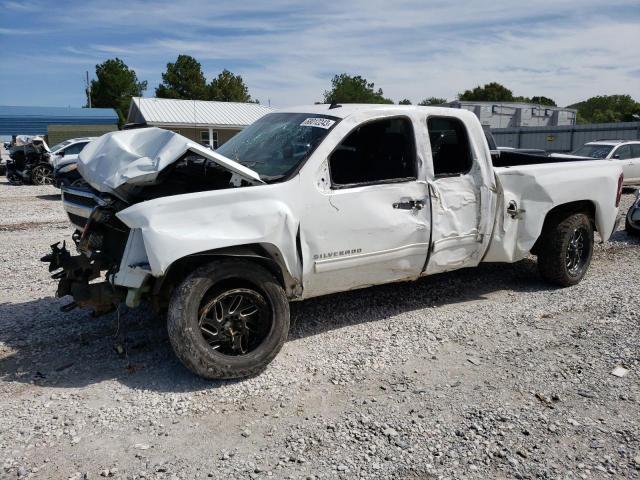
456,192
370,212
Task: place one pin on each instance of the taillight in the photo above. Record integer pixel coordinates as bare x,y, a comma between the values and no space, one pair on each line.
619,194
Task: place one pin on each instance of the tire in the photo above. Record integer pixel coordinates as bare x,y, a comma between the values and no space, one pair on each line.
566,249
42,175
629,227
79,183
211,292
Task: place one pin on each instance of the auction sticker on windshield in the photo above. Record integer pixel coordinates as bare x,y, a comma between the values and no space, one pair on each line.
318,122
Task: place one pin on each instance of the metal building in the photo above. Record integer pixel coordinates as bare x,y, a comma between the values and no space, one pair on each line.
205,122
57,123
565,139
511,114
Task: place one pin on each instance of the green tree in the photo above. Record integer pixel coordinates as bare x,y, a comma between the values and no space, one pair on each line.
607,109
114,86
353,89
227,87
405,101
183,79
432,101
491,92
543,101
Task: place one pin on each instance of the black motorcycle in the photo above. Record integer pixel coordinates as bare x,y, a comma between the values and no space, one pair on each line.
29,164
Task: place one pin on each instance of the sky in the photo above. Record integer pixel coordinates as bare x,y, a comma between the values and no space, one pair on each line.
288,51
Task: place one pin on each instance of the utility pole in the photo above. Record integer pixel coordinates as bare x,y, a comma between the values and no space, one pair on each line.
88,89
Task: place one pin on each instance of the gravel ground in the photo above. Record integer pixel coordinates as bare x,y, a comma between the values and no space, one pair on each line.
481,373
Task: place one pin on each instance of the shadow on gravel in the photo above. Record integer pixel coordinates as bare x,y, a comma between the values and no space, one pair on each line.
623,237
71,350
54,196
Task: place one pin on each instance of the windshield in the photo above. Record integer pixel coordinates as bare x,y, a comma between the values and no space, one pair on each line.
60,145
277,143
593,151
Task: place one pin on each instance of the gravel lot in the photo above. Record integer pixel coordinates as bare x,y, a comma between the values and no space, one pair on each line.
482,373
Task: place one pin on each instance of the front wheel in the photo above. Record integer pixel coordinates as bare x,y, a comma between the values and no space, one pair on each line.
42,175
566,250
228,319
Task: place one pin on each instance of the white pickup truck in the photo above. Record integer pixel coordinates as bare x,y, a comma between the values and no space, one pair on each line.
307,202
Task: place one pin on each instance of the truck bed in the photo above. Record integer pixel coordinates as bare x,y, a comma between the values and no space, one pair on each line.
513,159
534,189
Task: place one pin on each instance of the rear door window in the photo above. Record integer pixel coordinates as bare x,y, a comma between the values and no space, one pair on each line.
450,146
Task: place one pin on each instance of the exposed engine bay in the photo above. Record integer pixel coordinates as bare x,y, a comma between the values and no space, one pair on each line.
153,163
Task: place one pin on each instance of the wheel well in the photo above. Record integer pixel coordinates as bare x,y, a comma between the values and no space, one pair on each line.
563,211
182,267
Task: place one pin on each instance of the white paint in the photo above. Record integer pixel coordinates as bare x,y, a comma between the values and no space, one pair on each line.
537,189
469,221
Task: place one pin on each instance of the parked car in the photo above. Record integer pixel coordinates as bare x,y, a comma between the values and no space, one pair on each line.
308,202
632,221
29,161
64,159
4,156
626,152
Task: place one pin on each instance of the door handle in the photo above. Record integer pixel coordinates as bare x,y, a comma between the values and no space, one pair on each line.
409,205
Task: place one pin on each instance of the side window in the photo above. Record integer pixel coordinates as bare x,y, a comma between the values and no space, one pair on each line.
74,149
623,152
449,146
635,150
379,151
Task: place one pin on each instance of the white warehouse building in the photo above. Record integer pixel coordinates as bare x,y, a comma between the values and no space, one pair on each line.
513,114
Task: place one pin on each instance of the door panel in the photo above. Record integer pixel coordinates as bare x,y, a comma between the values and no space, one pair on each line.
358,238
456,212
633,167
455,197
371,220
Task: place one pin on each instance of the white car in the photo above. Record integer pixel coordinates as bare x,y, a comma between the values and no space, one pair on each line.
68,151
626,152
308,202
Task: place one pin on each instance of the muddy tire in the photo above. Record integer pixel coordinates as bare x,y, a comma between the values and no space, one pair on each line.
228,319
42,175
566,249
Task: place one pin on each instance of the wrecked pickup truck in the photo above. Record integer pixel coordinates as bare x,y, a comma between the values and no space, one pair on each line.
308,202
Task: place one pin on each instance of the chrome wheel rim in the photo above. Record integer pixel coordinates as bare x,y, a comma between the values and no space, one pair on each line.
235,322
41,176
577,251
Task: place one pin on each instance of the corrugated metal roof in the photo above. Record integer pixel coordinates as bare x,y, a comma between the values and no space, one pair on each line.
35,120
165,111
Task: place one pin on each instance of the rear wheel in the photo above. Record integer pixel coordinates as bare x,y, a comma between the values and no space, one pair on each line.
42,175
566,249
228,319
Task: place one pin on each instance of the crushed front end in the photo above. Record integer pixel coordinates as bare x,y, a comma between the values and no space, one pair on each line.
100,239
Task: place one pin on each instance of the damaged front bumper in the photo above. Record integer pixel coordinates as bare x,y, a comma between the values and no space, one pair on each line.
104,246
75,274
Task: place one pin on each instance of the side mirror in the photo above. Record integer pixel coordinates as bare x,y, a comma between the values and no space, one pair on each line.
61,153
616,156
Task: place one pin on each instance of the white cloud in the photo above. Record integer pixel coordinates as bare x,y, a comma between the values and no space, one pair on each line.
288,51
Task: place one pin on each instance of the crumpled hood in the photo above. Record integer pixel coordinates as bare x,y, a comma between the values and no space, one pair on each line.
136,157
